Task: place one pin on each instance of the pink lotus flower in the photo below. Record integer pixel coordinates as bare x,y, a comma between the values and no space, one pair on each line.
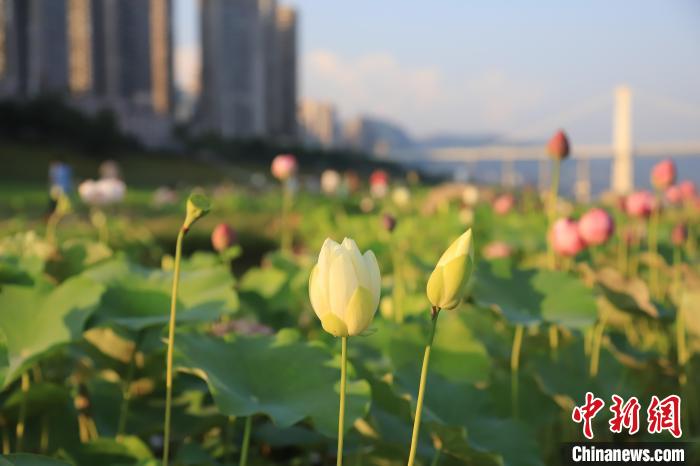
688,190
596,227
223,237
679,234
503,204
640,204
558,146
497,250
565,238
284,166
674,195
663,174
379,183
388,222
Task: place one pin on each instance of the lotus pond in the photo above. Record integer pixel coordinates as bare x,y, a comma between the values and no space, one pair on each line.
85,316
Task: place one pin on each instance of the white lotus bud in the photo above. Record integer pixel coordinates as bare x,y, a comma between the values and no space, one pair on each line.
344,288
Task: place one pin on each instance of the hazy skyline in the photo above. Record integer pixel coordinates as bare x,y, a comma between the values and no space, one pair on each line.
515,69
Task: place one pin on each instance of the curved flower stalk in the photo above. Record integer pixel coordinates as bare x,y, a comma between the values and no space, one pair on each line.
197,207
63,208
445,289
344,289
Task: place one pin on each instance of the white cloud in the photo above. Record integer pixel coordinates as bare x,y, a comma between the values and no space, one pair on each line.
423,98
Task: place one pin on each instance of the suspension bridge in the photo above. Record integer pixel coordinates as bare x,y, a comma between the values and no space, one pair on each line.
622,149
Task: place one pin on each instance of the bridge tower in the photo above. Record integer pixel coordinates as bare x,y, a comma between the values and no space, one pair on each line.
623,168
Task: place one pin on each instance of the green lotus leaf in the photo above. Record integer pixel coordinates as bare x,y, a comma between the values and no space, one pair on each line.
35,319
532,296
25,459
287,381
138,297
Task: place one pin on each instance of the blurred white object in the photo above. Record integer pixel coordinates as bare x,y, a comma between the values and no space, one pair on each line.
330,181
109,169
401,196
466,216
470,195
102,192
366,205
164,196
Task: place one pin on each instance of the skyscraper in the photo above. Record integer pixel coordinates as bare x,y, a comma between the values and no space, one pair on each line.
318,124
282,78
79,46
232,102
248,69
43,31
132,53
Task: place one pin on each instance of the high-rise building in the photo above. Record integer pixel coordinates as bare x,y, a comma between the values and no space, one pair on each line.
318,124
248,69
44,45
132,53
79,46
282,75
232,102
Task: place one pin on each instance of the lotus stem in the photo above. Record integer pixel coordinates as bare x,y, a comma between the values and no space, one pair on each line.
246,440
595,350
126,393
622,254
681,346
421,388
5,439
514,368
171,342
397,291
653,241
25,382
286,241
436,458
341,412
554,341
552,211
51,225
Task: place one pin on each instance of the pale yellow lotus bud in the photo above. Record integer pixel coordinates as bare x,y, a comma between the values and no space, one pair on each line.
344,288
451,274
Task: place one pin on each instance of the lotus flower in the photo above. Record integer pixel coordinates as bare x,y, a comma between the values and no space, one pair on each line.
565,238
503,204
378,184
679,234
497,250
640,204
401,196
596,226
330,181
663,174
470,195
688,190
388,222
558,146
451,274
223,237
344,288
102,192
284,166
674,195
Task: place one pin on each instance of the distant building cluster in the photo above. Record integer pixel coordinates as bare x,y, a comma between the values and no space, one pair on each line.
320,127
118,54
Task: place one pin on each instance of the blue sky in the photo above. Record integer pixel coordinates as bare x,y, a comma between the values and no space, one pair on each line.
519,69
